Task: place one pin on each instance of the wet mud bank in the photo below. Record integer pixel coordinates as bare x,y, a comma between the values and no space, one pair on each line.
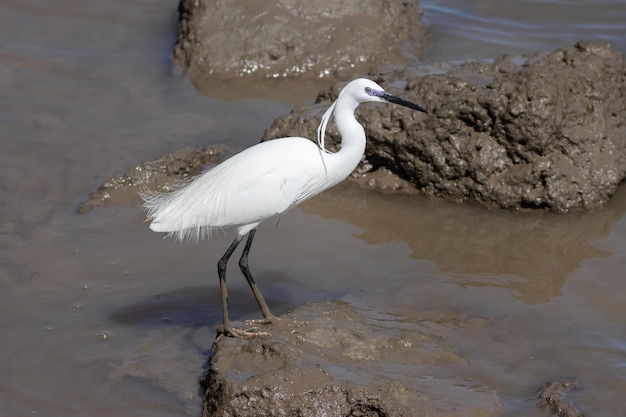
544,131
160,174
541,132
292,38
333,359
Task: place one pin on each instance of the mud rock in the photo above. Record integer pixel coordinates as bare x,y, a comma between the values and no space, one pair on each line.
295,38
544,131
159,174
331,359
553,396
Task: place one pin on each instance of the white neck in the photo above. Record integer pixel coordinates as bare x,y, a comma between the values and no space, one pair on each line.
341,164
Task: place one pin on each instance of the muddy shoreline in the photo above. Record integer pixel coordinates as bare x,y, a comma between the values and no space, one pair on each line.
331,358
102,317
302,367
501,133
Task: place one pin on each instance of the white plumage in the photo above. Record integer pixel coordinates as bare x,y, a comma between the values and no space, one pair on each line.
256,184
265,181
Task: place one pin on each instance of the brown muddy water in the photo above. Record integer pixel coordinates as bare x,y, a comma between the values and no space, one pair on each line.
101,317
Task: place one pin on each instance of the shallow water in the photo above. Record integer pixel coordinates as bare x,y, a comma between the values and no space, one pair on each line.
102,317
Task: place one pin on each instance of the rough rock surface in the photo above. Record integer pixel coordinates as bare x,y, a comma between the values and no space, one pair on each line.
152,175
332,359
553,396
295,38
545,131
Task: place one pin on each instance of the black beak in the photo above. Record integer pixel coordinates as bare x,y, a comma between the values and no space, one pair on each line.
397,100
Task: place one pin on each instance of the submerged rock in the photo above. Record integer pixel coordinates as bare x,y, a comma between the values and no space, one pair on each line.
546,131
554,397
295,38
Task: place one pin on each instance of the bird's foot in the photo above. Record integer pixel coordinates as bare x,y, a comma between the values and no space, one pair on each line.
241,333
237,332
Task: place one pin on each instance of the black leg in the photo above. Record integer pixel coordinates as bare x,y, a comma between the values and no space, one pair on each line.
243,264
221,272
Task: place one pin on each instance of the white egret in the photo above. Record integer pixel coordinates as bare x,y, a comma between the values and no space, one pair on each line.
263,182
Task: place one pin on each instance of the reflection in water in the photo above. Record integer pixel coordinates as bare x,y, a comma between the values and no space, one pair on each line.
531,253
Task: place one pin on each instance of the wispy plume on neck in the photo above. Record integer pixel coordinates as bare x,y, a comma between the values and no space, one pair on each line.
321,133
321,129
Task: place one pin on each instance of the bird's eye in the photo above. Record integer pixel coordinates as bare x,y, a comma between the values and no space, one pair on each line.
368,91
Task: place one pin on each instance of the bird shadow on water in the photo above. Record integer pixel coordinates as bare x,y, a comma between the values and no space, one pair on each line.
189,306
167,330
184,321
195,307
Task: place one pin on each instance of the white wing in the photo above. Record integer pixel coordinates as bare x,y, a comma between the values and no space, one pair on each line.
253,185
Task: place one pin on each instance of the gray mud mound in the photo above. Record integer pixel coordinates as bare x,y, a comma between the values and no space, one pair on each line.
159,174
545,131
332,359
295,38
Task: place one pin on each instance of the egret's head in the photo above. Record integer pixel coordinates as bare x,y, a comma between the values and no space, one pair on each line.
363,90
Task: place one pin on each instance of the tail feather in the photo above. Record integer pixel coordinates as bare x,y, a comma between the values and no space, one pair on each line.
181,213
155,204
